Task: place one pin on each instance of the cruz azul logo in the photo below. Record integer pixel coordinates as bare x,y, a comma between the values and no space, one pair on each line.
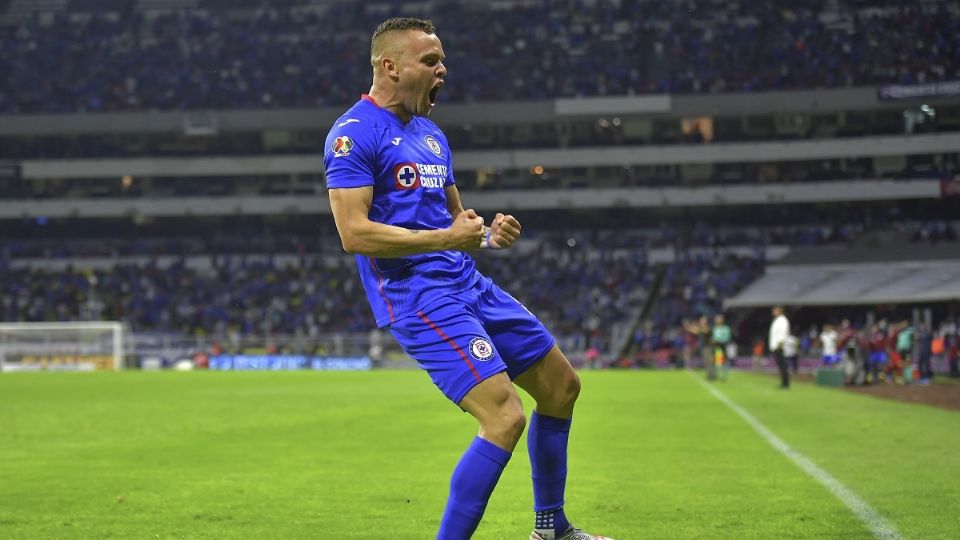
481,349
407,176
432,144
342,146
414,175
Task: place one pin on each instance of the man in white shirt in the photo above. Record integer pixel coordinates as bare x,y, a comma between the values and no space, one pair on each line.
828,340
779,332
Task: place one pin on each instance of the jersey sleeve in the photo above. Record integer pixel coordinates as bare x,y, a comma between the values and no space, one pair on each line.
349,156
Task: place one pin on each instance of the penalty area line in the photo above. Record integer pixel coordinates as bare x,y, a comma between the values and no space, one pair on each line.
878,525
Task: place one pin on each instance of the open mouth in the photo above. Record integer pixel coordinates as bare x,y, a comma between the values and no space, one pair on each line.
432,96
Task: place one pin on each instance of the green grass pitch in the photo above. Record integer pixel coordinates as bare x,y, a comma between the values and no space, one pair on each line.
368,455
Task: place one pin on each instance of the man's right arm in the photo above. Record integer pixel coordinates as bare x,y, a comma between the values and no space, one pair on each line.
358,234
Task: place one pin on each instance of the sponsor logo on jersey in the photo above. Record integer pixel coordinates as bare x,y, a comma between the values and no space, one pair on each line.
342,146
396,141
432,144
481,349
409,175
406,176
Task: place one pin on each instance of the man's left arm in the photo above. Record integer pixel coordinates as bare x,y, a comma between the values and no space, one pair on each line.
503,231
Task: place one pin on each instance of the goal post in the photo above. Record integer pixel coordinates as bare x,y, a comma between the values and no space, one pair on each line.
62,346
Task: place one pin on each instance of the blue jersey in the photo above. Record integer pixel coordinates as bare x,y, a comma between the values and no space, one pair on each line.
408,166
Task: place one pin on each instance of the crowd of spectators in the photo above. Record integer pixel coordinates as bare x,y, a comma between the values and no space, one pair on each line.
587,285
581,289
290,56
258,298
583,303
583,284
696,285
582,295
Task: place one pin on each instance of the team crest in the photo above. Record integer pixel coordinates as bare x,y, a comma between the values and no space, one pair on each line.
481,349
342,146
406,176
432,144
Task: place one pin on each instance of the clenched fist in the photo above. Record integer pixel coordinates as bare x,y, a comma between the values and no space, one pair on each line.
504,231
466,231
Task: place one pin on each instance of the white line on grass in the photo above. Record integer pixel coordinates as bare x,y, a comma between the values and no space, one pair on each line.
879,526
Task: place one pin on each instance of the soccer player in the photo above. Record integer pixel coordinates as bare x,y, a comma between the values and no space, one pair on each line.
396,206
720,337
828,342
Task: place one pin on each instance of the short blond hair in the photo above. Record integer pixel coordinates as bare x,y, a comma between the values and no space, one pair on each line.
398,24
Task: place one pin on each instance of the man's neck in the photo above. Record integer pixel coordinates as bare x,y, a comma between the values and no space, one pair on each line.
388,100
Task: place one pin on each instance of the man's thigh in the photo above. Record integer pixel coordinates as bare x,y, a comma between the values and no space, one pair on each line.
451,345
519,337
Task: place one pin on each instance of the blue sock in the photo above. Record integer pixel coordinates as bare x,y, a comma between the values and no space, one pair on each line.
470,487
547,444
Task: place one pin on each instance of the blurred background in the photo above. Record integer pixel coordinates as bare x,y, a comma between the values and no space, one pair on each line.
161,166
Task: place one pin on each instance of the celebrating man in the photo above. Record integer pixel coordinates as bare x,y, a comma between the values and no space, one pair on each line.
396,206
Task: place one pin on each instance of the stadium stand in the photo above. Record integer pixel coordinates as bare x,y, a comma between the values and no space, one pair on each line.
584,284
159,159
584,294
94,56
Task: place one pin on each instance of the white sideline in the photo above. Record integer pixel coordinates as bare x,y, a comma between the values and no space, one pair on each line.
878,525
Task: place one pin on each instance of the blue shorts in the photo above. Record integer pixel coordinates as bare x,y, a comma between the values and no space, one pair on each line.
829,359
462,340
878,357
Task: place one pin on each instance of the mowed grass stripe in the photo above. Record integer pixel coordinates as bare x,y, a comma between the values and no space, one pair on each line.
899,457
211,455
352,455
879,526
676,464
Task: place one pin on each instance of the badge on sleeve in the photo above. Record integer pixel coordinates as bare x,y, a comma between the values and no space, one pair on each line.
342,146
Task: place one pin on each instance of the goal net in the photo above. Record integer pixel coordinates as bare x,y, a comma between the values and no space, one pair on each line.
61,346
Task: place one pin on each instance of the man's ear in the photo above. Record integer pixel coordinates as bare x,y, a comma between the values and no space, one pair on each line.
390,67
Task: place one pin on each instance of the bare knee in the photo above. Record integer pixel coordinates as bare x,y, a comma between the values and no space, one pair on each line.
559,400
506,427
497,407
553,383
572,390
569,390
